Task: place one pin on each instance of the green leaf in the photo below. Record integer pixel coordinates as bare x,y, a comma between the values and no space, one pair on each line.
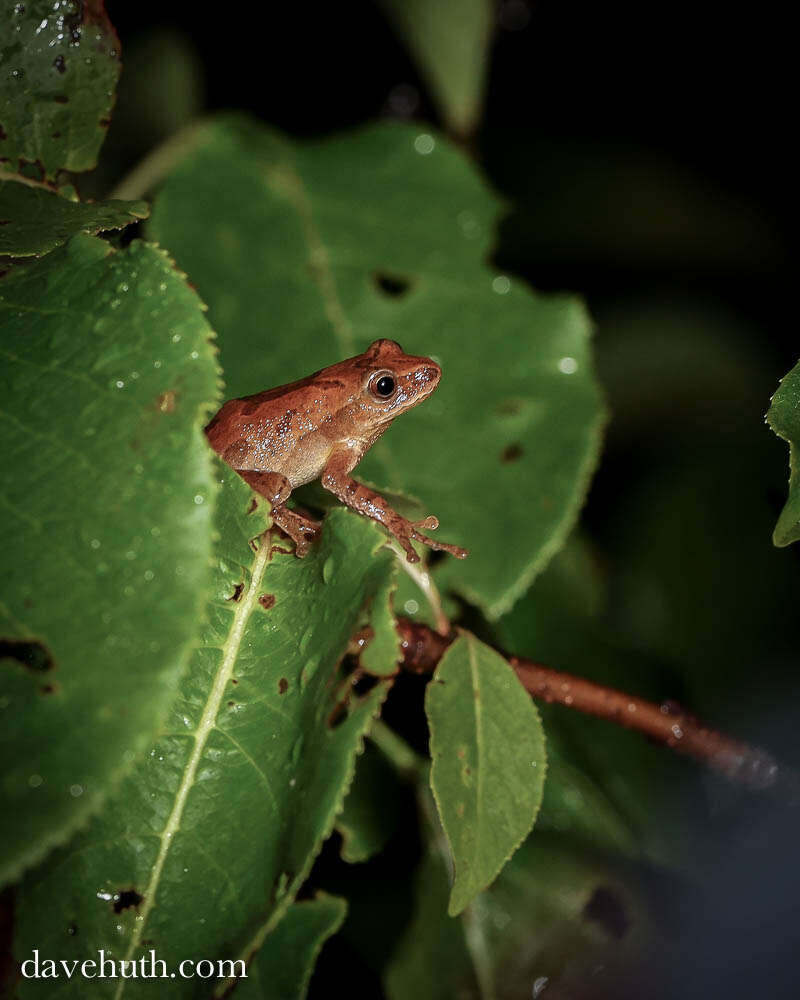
59,65
488,762
282,967
432,960
382,653
108,375
556,916
219,824
35,220
371,809
306,253
784,418
449,41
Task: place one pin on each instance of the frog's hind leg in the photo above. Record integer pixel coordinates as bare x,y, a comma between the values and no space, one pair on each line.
277,489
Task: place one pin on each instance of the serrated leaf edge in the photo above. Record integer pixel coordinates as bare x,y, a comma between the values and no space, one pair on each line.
12,872
452,910
783,535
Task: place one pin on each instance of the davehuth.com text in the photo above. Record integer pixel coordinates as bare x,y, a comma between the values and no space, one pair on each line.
145,967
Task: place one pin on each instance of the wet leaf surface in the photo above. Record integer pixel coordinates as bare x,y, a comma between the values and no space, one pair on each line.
59,64
219,824
108,377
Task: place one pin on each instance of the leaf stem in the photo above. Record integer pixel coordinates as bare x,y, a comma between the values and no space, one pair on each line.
403,758
667,723
424,581
155,166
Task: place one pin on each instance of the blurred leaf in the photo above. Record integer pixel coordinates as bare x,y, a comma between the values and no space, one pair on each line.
677,364
216,830
34,220
282,967
606,786
784,418
555,917
307,253
59,64
160,93
563,917
449,41
603,204
370,810
432,960
488,762
576,803
108,377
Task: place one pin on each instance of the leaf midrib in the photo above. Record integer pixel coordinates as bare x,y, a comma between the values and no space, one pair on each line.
244,609
476,698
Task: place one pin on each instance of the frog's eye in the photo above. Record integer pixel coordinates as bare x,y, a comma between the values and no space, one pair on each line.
382,385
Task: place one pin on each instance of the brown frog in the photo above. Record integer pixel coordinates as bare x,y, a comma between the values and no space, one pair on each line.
320,428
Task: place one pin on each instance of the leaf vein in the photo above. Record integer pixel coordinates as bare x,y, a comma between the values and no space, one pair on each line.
244,610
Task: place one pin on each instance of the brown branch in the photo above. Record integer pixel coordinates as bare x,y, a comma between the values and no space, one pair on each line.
666,723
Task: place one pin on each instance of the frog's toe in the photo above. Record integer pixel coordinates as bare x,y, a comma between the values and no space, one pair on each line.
429,523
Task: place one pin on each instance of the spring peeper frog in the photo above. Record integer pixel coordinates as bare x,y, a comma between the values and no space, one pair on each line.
320,428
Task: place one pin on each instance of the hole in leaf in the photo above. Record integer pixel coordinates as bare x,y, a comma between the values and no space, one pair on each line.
283,686
364,684
237,592
392,285
28,653
125,899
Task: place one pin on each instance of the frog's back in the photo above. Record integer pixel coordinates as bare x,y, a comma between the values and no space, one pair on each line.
277,430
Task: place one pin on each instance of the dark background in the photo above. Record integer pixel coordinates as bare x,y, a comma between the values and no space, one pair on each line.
647,155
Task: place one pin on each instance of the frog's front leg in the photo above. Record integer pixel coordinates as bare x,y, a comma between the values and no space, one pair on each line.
336,479
277,489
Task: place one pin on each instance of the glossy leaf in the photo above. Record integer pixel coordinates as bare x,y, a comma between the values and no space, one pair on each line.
784,418
35,220
108,376
282,967
488,762
59,64
218,826
306,253
449,41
